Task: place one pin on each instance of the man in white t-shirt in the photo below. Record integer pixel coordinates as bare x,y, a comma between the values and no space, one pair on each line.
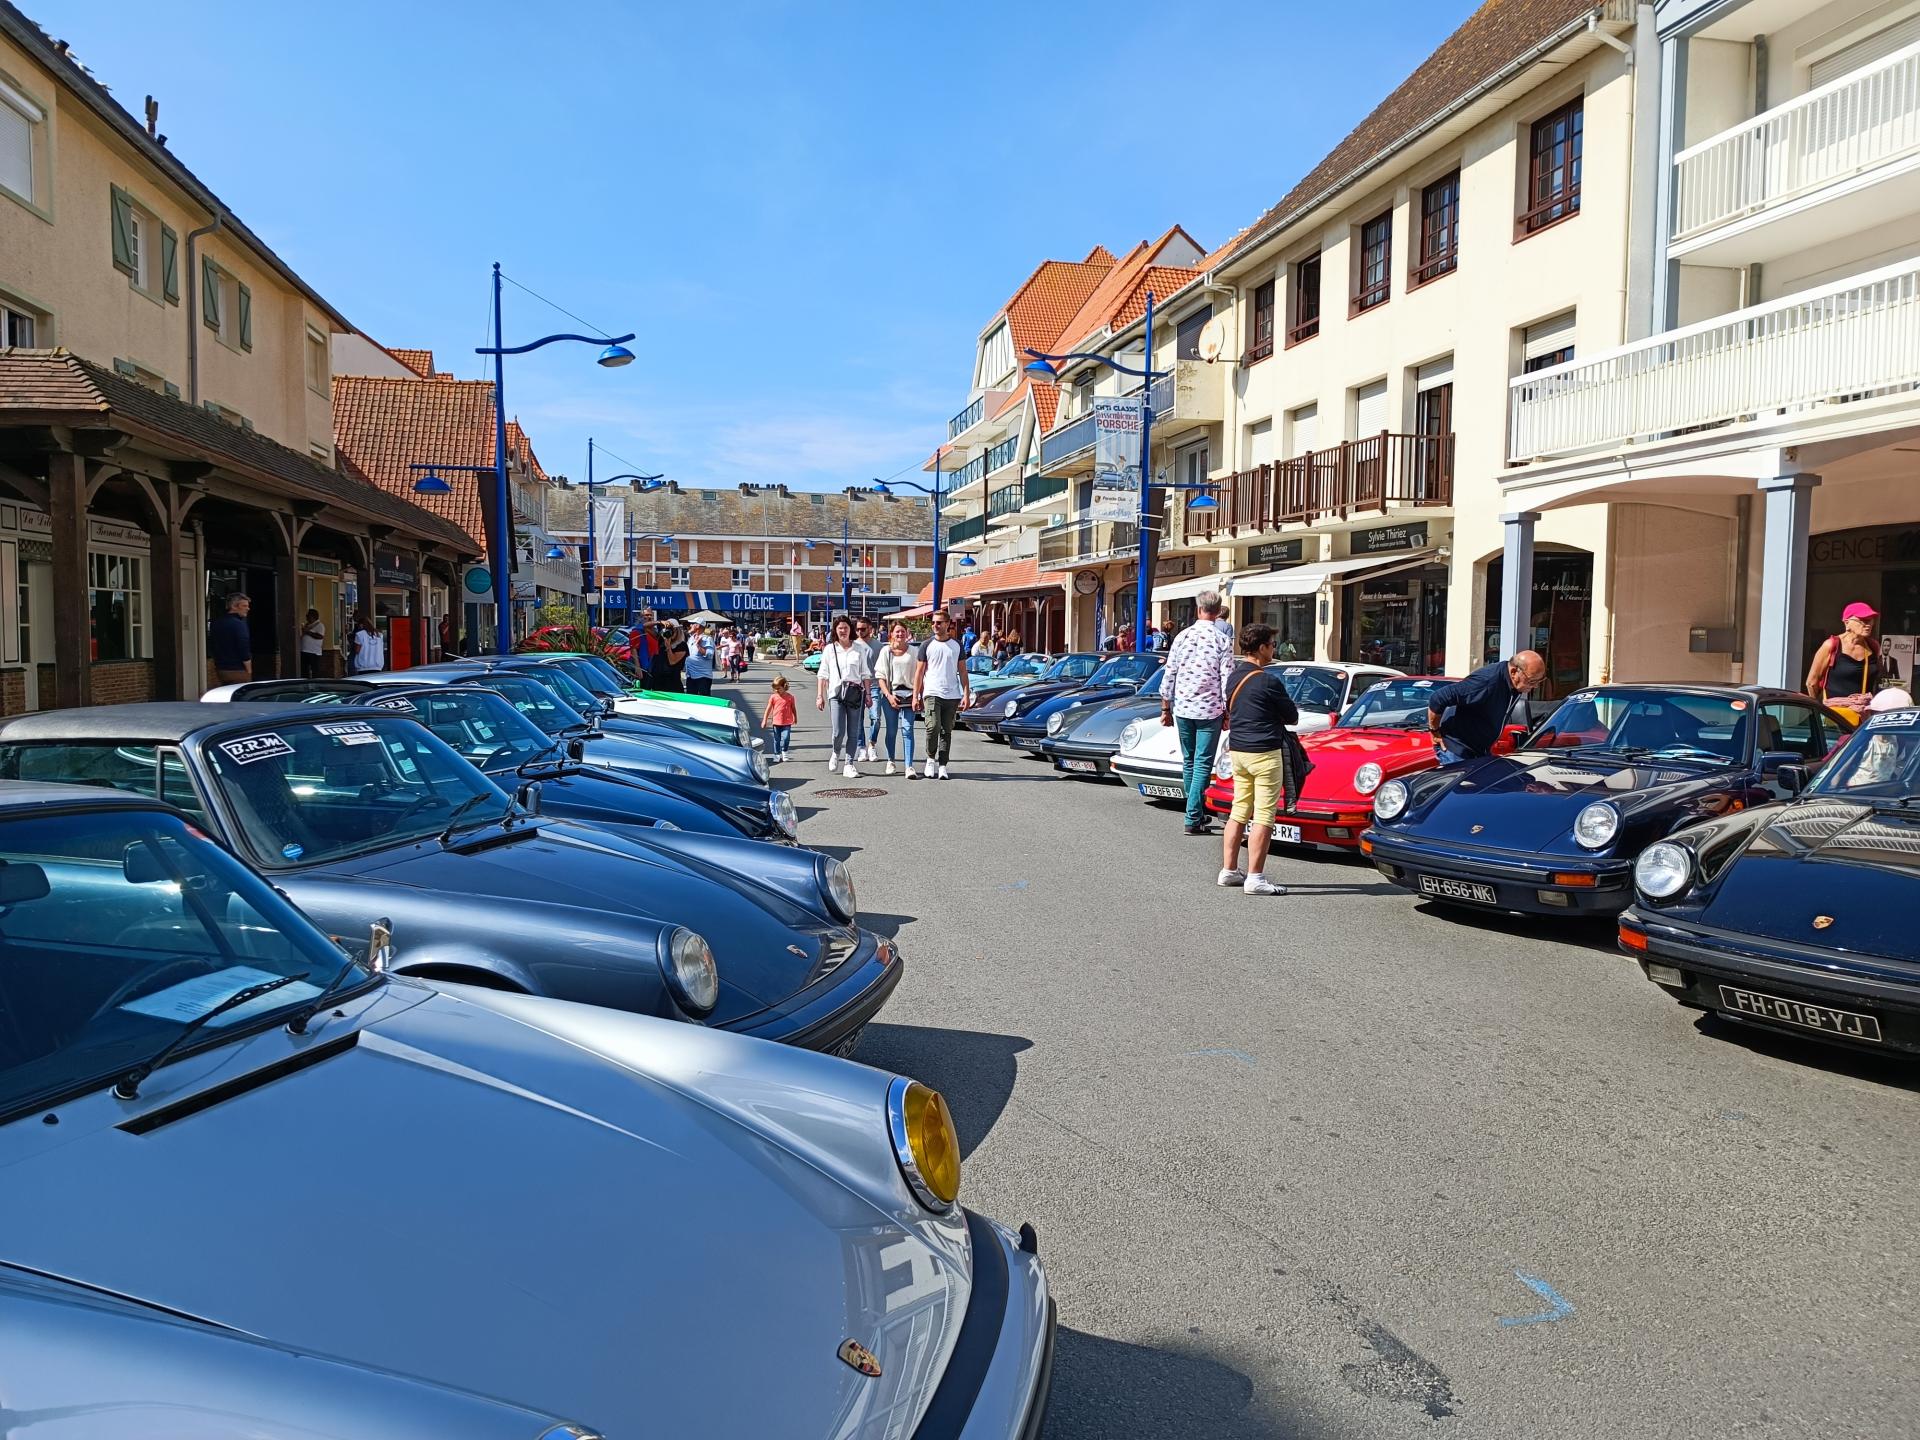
941,690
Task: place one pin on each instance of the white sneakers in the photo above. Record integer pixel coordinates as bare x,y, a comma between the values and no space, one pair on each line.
943,773
850,772
1230,878
929,767
1260,885
890,767
836,762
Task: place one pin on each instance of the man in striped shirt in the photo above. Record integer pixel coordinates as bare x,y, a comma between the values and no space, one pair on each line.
1193,698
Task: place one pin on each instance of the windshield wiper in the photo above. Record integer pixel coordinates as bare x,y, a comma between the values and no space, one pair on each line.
127,1087
453,820
532,760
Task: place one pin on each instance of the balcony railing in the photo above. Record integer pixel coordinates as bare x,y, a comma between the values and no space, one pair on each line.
1847,126
1005,453
967,474
1846,341
1068,439
1005,500
962,532
1044,487
967,418
1358,475
1081,540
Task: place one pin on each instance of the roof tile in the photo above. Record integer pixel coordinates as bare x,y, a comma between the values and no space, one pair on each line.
383,425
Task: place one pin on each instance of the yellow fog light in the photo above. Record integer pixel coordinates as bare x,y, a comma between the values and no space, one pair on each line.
924,1142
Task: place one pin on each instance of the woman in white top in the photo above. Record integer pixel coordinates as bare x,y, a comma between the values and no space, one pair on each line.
846,678
893,689
369,646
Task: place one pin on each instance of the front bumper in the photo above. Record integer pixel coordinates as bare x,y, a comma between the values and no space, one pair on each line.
1100,757
981,721
1520,882
1857,987
1136,774
830,1013
1323,825
1023,734
997,1380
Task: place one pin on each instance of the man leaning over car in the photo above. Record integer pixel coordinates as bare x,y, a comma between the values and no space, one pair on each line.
1466,717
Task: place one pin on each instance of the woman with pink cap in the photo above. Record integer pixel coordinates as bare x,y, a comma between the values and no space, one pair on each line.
1848,668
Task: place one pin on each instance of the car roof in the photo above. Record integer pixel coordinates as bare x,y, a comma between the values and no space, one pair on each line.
1693,687
17,796
166,722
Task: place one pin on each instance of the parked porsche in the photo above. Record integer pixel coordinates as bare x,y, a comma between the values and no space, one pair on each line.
1118,679
1021,669
1069,672
627,1226
710,719
1555,827
357,812
1798,917
1082,742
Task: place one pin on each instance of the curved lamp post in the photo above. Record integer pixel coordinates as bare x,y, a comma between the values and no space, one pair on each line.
613,355
643,484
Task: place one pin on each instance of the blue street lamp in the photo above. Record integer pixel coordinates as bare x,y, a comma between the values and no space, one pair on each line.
643,483
936,493
1044,370
614,355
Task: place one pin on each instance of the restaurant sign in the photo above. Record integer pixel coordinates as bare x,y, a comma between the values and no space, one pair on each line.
394,569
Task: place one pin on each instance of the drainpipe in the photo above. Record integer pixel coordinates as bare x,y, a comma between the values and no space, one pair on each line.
1742,545
193,307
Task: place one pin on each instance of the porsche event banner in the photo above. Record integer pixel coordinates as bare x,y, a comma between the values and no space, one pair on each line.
1116,458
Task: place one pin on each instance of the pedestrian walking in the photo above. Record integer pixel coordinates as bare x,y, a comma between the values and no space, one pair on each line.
941,690
893,692
666,666
778,720
697,671
1259,710
876,646
846,676
369,646
230,642
1193,699
1466,717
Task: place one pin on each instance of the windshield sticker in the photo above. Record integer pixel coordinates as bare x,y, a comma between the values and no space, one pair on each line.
191,999
293,852
256,747
1738,704
1294,670
397,702
1895,720
1418,685
1581,698
1377,685
351,732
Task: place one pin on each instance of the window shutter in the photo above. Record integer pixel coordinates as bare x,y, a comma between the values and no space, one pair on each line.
122,230
1548,336
169,265
246,318
209,293
1862,53
1430,377
1370,409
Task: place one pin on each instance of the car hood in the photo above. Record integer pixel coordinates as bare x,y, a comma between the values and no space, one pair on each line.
467,1192
1337,754
1102,724
1032,692
1080,698
1528,800
617,797
1857,866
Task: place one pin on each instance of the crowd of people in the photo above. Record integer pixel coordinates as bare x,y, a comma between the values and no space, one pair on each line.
877,684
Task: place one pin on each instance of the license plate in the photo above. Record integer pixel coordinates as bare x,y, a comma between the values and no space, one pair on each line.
1088,766
848,1044
1022,743
1824,1018
1163,792
1456,889
1289,833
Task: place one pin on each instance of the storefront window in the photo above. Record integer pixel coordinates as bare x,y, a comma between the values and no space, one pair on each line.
1291,617
1558,624
116,599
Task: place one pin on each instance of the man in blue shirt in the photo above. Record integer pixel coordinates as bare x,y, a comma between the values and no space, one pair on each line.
1467,716
230,643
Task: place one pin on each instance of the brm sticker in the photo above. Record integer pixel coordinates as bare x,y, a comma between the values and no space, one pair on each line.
255,747
1294,670
351,732
397,702
1895,720
1582,696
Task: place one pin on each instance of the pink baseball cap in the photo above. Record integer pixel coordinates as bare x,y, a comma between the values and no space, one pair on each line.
1859,610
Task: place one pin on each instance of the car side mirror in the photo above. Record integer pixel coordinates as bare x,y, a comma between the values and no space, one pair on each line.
141,866
576,750
1772,762
527,797
380,945
1792,778
1510,738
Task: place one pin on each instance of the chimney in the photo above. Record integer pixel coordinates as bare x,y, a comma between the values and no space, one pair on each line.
153,118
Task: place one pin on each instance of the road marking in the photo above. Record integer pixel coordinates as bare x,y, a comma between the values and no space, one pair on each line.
1562,1307
1240,1055
1016,885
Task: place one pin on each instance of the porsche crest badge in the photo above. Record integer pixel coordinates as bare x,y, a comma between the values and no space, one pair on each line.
1475,830
860,1358
1821,922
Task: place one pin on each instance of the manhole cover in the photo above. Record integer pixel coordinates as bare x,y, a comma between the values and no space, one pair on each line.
849,793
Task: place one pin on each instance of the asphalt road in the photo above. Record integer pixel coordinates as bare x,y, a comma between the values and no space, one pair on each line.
1298,1164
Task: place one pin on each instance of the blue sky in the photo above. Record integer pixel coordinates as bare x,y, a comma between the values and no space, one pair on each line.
806,210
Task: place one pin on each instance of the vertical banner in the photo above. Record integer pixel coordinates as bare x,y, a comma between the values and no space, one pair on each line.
610,534
1899,652
1116,458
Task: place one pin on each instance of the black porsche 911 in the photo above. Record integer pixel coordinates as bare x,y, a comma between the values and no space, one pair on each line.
1799,917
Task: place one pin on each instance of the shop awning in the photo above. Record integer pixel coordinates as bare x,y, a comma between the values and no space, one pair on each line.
1307,579
915,612
1187,589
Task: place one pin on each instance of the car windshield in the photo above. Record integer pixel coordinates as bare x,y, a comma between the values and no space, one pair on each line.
552,678
482,727
1664,724
1314,687
120,927
1397,704
605,670
535,701
1125,667
1072,667
1880,762
1022,665
588,675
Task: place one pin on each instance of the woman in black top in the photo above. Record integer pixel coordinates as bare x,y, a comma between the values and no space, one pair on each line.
1848,668
664,670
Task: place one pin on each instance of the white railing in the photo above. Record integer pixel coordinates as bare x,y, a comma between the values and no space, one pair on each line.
1849,125
1845,341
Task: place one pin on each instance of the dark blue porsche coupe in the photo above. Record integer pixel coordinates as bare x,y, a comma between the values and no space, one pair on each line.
1799,917
1554,827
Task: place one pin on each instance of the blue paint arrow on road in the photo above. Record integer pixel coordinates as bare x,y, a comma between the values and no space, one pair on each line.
1562,1307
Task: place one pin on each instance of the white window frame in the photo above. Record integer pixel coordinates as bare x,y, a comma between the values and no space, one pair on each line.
317,345
743,577
12,311
34,115
229,332
996,358
101,575
679,577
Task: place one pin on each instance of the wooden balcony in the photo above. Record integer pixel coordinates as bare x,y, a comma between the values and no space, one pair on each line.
1374,473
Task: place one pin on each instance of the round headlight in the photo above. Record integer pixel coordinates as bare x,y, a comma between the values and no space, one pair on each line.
1595,826
742,729
1390,799
690,971
1663,870
924,1142
1010,709
1130,736
785,818
839,885
1367,778
1056,721
759,764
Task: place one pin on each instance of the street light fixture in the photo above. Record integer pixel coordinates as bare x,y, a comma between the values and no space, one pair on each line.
645,483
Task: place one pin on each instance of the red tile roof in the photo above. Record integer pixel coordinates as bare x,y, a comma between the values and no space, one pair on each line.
1042,307
520,451
418,361
1097,311
383,425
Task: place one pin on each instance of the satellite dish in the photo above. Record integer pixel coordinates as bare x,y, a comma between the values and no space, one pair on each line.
1213,339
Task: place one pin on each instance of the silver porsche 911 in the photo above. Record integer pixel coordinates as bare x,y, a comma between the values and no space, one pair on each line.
218,1120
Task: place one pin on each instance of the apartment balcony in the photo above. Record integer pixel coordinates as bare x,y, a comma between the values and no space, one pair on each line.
1071,441
1375,473
1081,541
967,534
977,426
1194,394
1835,162
1840,344
1026,503
965,487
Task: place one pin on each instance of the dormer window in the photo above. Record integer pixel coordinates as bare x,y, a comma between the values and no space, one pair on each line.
996,359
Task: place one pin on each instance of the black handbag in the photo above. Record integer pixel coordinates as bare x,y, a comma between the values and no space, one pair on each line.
851,693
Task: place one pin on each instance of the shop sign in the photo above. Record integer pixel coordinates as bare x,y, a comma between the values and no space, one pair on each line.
316,565
393,569
1174,567
1389,537
1278,552
1854,547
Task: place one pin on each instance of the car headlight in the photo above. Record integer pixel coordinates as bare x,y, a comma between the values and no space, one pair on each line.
759,763
742,729
1367,778
570,1432
1663,870
838,882
1056,722
1010,709
924,1142
687,962
1130,736
1595,826
785,818
1390,799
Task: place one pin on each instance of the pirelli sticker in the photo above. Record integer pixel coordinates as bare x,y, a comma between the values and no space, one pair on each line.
250,748
350,732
